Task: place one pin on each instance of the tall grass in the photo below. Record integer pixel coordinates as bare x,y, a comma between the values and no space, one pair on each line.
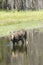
13,20
12,17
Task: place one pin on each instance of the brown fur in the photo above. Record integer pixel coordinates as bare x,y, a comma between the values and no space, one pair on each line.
17,36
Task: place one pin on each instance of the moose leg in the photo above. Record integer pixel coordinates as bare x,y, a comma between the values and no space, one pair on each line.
25,46
13,45
17,42
22,42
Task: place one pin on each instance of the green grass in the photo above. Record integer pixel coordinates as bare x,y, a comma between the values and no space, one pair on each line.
13,20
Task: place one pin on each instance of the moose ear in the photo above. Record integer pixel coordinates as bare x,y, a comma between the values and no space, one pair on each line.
12,36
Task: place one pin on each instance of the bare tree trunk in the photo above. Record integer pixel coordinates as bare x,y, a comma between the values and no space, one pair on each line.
24,4
11,4
18,4
3,4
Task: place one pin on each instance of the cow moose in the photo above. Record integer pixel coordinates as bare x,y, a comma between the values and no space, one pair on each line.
17,36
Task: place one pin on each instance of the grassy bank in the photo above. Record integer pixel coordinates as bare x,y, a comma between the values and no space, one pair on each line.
13,20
